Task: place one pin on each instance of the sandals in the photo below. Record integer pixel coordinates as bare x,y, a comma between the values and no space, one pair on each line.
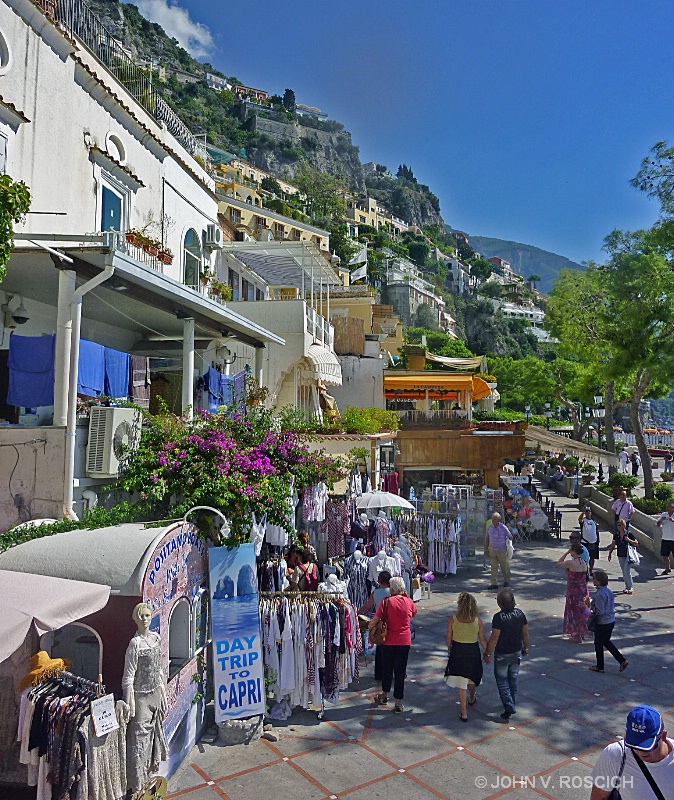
624,665
399,708
462,718
473,701
381,699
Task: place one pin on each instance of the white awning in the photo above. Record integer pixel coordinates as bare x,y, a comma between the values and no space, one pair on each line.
560,444
325,364
48,602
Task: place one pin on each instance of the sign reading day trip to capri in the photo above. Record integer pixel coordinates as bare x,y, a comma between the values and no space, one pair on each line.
237,650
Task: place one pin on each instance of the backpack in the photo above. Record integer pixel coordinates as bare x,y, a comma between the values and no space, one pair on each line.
308,581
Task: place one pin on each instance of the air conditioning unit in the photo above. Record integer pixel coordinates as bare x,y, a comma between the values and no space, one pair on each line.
111,432
213,237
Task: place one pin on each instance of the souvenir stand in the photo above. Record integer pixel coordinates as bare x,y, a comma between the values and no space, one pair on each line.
32,605
165,567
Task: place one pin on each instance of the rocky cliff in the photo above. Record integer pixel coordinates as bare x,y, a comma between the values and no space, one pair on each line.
281,147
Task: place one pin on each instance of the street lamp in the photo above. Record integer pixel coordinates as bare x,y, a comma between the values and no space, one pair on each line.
548,414
527,412
599,414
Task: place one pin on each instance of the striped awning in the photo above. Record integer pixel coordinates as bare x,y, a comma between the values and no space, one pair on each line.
437,384
325,364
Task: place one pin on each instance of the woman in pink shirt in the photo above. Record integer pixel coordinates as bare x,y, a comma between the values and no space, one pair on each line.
396,611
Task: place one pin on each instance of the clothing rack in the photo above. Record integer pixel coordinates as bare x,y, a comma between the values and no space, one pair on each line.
302,607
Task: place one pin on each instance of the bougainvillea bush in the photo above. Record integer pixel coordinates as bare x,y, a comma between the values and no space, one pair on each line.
241,465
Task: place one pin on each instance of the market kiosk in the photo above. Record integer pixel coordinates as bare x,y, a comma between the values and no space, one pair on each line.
167,568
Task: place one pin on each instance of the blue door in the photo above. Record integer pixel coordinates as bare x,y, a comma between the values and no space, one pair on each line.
111,214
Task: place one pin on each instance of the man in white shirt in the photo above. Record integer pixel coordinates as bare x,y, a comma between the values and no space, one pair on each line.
589,535
666,522
645,749
624,460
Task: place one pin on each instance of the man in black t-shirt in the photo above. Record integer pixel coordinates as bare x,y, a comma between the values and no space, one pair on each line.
509,641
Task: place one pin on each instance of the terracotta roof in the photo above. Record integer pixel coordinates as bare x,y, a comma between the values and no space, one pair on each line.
117,164
14,109
152,133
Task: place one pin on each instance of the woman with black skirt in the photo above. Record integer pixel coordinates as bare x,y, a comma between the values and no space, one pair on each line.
464,667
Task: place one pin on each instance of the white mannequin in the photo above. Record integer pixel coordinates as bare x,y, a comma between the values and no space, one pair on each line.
364,519
357,555
332,579
381,555
382,515
145,693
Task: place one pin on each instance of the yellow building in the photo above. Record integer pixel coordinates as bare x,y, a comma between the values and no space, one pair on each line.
242,207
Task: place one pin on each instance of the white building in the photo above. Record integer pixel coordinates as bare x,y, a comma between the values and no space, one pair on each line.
97,158
284,286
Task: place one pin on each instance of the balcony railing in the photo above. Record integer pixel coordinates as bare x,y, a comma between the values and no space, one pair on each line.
439,418
116,240
77,19
319,327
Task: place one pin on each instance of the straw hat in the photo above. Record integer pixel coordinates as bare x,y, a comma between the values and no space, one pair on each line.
41,667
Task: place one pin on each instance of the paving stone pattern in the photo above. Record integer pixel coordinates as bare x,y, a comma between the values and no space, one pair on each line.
565,716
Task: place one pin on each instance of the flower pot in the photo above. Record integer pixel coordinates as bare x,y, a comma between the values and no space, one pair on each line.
152,250
587,480
165,258
204,280
667,478
131,238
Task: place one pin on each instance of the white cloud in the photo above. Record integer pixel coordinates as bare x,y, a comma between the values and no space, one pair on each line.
193,36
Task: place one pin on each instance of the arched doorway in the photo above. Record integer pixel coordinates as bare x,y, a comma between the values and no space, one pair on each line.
192,259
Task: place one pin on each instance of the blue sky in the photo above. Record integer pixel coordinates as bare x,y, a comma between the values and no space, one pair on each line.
526,117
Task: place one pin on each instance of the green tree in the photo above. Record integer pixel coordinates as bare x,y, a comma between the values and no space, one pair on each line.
656,176
270,184
14,205
491,289
426,317
289,101
341,243
419,252
438,342
533,278
406,173
481,268
322,191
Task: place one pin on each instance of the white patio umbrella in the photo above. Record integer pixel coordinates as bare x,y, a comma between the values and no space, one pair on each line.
374,501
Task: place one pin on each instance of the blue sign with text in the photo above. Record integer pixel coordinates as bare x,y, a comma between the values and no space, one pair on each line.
237,650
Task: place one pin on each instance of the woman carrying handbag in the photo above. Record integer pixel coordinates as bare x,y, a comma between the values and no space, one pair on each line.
396,612
602,620
627,554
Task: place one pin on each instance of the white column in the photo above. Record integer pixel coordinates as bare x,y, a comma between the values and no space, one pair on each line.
64,326
188,367
259,364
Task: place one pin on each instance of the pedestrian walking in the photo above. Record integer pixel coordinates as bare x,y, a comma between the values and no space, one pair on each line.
622,509
372,604
575,609
589,535
669,460
621,542
636,463
509,641
624,461
465,633
496,540
396,611
641,767
602,606
666,522
528,471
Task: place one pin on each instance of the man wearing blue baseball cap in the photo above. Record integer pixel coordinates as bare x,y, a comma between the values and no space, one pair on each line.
641,766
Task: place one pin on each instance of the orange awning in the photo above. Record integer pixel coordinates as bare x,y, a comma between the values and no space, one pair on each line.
438,384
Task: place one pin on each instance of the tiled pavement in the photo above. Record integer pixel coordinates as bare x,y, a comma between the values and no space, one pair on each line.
565,716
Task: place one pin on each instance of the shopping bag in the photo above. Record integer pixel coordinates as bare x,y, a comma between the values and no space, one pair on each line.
632,555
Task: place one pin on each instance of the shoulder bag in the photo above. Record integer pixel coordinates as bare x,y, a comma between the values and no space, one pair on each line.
647,774
592,622
615,792
379,629
632,555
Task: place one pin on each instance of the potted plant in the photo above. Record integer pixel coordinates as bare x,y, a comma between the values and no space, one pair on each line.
132,236
618,482
165,256
225,291
215,287
588,471
205,276
255,393
667,476
153,247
